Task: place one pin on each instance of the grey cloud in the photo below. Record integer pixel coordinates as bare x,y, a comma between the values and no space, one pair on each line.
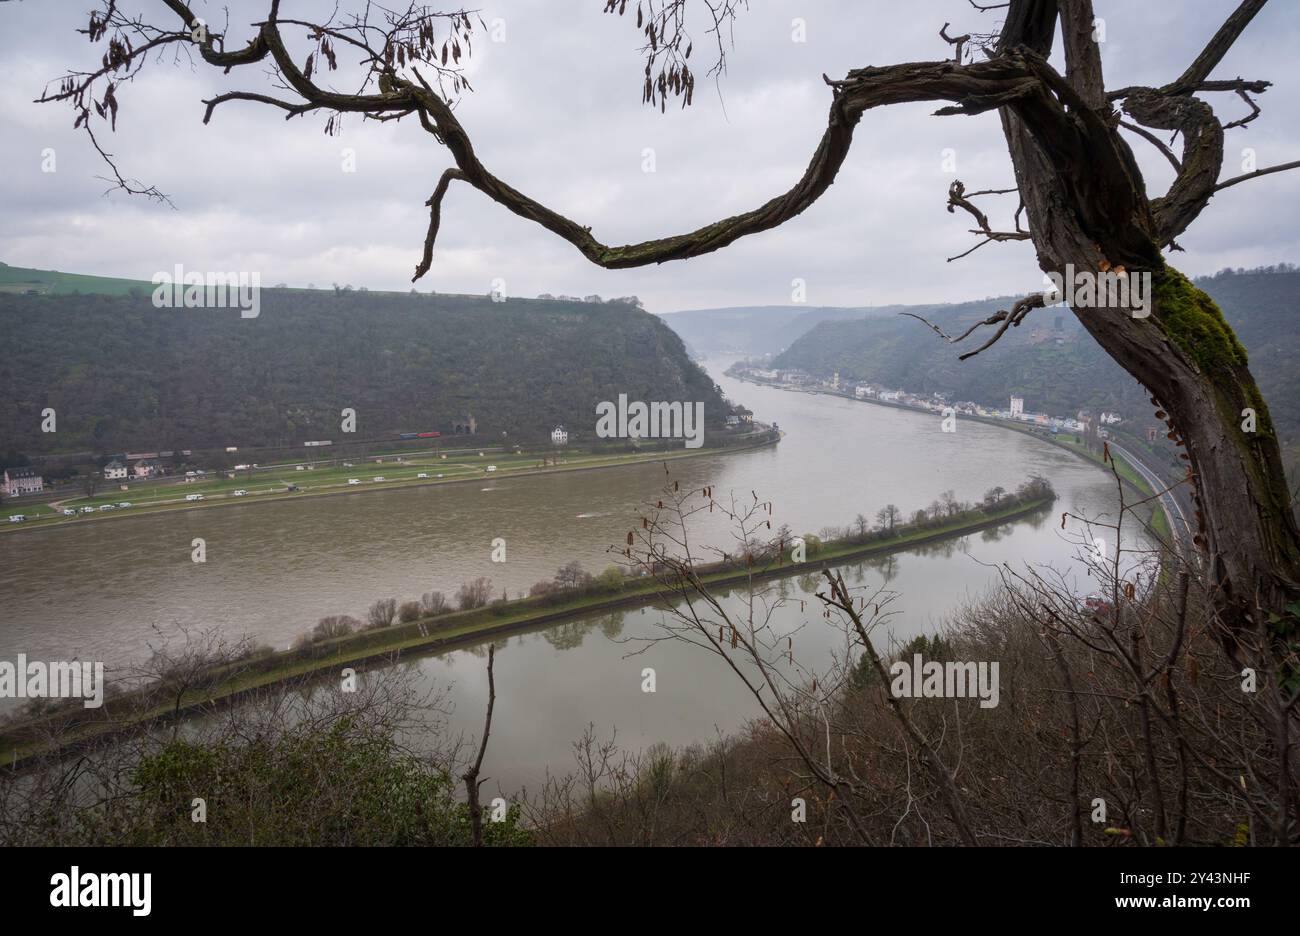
556,113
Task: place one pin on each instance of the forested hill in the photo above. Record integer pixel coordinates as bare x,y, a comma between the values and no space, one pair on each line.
122,375
1050,360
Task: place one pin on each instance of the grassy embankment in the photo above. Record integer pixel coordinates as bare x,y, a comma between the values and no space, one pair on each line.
72,724
23,280
1130,475
271,484
1159,520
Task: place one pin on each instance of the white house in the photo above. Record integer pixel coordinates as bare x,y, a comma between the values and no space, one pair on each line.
559,436
22,481
115,471
1017,407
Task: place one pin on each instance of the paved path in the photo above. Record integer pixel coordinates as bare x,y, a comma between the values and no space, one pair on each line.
1175,501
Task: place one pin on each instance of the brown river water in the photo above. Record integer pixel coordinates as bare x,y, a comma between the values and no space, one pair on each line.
109,591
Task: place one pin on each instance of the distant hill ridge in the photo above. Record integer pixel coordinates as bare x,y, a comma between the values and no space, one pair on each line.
755,330
1050,360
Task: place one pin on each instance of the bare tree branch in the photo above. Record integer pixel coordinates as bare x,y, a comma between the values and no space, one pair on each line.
1007,317
471,776
1257,173
957,41
959,198
1154,141
1217,47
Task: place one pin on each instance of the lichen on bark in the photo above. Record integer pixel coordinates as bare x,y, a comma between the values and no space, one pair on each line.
1196,325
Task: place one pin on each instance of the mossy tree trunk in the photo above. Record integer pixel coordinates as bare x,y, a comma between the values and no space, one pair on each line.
1184,353
1196,370
1197,374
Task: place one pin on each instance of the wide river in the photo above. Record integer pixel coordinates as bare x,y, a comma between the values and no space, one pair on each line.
110,591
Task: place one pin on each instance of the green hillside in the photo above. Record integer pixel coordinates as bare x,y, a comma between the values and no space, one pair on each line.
24,281
122,375
1050,360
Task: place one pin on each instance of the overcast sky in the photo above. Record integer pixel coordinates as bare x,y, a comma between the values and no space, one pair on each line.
556,114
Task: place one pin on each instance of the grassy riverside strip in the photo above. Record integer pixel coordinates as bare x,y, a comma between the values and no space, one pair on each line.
1159,520
74,726
509,466
1128,474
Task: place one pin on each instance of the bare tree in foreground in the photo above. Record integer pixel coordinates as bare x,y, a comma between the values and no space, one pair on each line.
1081,193
471,776
1084,201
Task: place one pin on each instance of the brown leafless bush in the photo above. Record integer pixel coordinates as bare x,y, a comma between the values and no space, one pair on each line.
335,625
474,594
434,602
381,613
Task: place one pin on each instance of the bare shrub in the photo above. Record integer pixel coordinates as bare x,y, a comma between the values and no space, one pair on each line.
335,625
381,613
474,594
571,575
542,588
1123,701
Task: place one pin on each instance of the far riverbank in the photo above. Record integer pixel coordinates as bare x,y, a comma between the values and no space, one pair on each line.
404,477
1135,476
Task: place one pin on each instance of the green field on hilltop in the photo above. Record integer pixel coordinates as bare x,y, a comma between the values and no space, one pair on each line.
52,282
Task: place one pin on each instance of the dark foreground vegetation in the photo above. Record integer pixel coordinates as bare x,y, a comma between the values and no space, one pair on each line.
328,774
